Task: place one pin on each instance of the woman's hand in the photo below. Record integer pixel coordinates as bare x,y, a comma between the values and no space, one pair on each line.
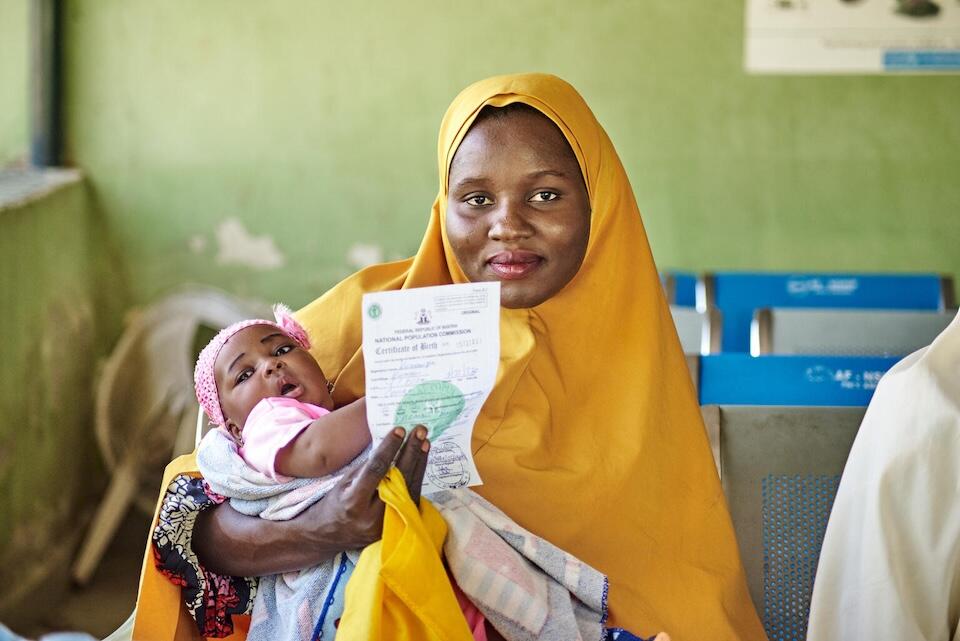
350,516
353,508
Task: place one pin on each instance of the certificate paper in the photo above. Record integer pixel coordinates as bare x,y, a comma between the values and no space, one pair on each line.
430,356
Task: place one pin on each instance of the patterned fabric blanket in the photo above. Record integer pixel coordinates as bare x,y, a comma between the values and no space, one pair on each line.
525,586
288,606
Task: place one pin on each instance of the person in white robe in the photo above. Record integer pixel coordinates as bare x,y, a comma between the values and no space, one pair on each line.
890,563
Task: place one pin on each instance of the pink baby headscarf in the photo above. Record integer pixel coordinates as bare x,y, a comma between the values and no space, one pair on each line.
203,377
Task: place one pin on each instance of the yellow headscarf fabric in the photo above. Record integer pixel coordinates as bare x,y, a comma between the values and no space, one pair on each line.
592,437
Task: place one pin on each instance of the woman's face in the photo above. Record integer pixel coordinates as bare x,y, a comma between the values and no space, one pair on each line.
518,211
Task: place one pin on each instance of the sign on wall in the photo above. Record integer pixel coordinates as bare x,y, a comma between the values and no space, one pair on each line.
852,36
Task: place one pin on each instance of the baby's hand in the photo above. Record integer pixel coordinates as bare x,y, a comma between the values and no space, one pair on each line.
663,636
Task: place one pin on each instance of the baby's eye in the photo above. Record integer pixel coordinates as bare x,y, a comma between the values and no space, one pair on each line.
244,375
283,349
545,196
478,200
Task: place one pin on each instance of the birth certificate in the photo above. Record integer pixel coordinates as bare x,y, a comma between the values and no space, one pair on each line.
431,357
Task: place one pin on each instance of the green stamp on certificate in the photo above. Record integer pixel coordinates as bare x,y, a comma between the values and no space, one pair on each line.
374,311
433,404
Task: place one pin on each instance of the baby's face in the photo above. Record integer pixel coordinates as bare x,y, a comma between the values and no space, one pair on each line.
261,362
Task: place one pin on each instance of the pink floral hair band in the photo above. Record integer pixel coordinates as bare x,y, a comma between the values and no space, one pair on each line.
203,377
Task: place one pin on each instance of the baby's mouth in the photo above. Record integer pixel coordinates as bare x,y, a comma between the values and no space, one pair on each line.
290,389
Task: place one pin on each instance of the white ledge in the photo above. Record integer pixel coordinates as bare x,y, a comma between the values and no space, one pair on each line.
23,185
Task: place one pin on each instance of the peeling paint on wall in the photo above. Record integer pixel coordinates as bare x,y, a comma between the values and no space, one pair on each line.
197,244
237,246
361,255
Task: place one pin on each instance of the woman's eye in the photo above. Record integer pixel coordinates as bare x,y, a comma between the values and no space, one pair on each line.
284,349
545,196
478,200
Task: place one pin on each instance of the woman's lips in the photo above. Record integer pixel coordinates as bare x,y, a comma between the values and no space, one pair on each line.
514,265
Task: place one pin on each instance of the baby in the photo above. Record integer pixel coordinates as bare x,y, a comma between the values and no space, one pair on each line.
280,446
257,380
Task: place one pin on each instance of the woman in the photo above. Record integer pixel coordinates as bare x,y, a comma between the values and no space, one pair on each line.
592,437
890,563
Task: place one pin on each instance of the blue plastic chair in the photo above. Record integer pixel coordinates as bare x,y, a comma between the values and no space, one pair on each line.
780,428
737,295
741,379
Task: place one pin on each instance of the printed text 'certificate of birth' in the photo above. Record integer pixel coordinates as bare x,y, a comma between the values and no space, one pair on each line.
431,357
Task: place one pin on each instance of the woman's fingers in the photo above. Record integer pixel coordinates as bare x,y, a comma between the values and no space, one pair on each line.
412,461
410,458
352,513
376,467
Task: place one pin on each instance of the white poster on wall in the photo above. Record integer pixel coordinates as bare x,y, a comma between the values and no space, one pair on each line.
852,36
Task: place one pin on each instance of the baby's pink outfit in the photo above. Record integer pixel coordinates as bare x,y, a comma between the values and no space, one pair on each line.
272,425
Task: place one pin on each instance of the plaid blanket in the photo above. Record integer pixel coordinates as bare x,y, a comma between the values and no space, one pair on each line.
525,586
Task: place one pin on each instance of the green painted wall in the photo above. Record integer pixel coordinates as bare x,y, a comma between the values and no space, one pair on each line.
314,123
14,132
61,301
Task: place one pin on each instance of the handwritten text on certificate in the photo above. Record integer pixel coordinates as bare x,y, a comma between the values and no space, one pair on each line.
431,357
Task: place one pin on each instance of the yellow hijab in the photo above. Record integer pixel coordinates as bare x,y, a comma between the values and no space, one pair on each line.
592,437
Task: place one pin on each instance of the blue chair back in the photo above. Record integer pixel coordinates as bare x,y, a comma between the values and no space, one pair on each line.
741,379
680,287
737,295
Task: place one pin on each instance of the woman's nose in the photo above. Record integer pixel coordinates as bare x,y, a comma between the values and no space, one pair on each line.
509,223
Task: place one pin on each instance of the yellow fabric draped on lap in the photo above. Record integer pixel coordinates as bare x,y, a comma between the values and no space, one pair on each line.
592,437
399,589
